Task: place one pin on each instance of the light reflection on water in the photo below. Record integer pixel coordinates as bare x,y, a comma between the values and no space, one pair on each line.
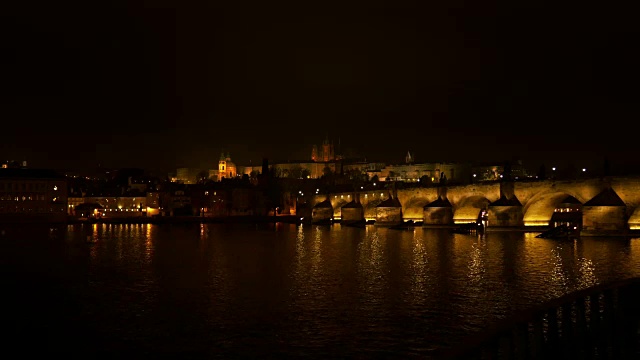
264,291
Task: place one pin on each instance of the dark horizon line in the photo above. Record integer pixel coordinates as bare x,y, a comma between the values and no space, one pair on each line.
166,170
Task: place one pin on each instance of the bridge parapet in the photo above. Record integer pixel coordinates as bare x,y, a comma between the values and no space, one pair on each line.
599,322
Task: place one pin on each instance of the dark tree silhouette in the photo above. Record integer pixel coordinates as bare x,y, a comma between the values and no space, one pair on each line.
202,177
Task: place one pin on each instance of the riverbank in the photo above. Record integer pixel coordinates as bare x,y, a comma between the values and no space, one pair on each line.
293,219
188,220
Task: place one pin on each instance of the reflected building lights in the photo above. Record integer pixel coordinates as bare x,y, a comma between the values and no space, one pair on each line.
476,262
587,275
315,251
299,273
375,251
586,269
93,252
148,249
558,276
419,265
300,250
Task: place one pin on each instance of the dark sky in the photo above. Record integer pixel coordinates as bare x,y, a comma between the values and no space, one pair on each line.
163,84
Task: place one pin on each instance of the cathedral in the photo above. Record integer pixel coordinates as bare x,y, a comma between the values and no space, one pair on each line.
326,153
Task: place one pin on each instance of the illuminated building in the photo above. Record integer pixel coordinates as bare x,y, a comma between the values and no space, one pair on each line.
493,172
431,172
32,194
112,206
326,153
568,212
226,169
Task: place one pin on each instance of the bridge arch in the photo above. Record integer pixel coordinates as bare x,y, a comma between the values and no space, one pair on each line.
413,209
369,207
338,201
468,209
539,209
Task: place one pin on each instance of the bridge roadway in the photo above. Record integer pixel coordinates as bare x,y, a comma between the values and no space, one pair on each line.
508,204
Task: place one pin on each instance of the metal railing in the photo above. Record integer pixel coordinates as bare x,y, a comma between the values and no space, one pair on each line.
601,322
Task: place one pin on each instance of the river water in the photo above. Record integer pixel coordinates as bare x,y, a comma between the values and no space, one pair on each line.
279,291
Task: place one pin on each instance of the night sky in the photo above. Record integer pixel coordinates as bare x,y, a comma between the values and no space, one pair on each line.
170,84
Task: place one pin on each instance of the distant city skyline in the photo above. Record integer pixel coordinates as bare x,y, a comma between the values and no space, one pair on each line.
594,164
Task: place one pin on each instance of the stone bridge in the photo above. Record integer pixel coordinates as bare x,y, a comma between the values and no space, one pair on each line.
505,203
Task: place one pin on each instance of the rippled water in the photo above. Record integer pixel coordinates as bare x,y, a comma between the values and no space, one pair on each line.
231,291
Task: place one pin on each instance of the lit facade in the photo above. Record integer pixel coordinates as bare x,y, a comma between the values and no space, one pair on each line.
113,206
491,172
325,153
32,194
434,172
227,169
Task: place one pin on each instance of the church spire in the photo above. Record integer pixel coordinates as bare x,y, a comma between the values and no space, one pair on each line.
408,158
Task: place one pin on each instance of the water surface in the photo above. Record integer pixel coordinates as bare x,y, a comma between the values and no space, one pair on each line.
238,291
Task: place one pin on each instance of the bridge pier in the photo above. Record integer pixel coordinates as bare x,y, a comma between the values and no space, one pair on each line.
506,212
304,211
322,212
605,214
505,216
389,212
438,213
353,212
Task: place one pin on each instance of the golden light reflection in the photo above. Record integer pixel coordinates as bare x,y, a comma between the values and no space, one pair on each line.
586,275
93,250
586,272
420,266
558,275
477,267
370,270
300,272
148,243
300,250
315,250
375,258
